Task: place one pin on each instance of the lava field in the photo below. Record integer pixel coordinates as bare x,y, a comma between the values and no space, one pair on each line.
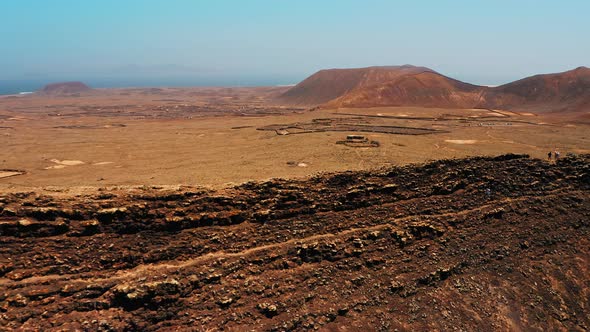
478,244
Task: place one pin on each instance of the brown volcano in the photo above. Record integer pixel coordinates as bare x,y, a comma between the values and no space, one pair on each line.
419,86
62,88
567,91
428,89
329,84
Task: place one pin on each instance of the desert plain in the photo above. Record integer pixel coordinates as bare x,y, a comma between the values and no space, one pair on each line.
215,137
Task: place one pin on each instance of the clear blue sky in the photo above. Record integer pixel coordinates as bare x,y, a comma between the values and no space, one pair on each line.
483,41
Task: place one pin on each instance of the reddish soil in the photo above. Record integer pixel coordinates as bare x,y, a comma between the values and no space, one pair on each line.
418,86
496,243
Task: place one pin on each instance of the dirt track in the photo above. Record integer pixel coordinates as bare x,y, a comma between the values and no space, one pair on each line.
408,248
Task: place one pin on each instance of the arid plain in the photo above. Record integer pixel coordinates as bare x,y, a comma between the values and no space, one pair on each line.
221,136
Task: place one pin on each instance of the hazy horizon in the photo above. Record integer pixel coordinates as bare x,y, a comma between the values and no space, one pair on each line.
187,43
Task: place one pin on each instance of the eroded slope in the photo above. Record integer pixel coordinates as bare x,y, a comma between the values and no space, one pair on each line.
478,244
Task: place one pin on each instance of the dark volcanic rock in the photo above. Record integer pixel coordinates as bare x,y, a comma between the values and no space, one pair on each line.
424,247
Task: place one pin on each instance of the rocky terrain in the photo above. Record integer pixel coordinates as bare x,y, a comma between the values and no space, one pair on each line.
486,243
423,87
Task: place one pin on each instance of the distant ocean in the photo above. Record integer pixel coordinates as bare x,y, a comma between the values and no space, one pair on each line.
8,87
14,87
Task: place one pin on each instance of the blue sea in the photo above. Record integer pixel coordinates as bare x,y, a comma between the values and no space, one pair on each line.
17,86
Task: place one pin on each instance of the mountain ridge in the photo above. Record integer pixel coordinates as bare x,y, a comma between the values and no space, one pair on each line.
409,85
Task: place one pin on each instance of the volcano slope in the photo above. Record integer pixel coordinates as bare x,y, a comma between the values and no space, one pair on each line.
561,92
565,92
405,85
494,243
329,84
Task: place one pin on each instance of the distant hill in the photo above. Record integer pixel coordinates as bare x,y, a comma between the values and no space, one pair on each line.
427,89
63,88
329,84
419,86
566,91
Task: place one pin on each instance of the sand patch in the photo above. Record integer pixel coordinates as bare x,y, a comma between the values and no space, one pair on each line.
297,164
102,163
506,113
9,173
393,114
64,163
55,167
461,141
67,162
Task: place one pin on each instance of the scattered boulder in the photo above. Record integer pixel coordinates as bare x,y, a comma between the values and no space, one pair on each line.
109,215
131,296
268,309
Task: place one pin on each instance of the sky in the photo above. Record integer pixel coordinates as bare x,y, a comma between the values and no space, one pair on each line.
268,42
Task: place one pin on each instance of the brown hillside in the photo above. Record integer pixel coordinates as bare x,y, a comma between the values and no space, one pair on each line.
329,84
64,88
428,89
567,91
419,86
